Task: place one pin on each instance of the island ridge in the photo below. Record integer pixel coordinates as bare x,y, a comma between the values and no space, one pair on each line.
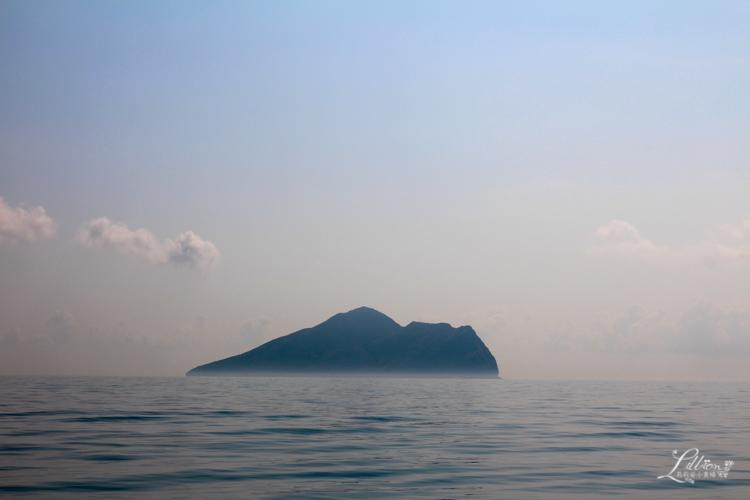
365,342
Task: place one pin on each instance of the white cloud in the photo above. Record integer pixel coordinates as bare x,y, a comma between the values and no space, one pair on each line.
188,248
18,224
726,244
619,237
103,232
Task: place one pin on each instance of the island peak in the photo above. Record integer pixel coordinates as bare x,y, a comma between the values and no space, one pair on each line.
365,342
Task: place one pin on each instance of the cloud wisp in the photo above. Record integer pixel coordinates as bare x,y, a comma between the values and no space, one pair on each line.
255,328
703,328
726,244
187,249
620,238
700,327
62,324
18,224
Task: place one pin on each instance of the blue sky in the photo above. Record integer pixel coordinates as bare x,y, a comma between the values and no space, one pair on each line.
570,178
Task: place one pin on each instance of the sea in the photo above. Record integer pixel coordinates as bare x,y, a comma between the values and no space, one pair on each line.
357,438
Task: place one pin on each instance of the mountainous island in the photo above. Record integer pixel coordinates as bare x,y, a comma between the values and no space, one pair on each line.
365,342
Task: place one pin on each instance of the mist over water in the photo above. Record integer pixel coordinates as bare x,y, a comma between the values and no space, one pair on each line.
212,437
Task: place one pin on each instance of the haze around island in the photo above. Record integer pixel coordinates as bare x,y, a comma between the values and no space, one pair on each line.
183,182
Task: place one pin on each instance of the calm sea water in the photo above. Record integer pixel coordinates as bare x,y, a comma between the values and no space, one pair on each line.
365,438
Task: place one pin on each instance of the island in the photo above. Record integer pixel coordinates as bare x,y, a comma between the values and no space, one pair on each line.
365,342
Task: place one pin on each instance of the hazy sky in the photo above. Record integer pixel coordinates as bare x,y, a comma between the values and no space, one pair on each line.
183,181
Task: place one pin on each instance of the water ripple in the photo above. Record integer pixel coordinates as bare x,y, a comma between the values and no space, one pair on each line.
358,438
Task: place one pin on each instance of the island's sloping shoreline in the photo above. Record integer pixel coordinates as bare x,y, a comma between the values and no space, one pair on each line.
364,343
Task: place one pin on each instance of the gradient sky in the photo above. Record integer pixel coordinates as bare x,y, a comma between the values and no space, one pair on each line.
572,179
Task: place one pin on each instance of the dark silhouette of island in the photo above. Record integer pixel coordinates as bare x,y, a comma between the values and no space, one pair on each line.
365,342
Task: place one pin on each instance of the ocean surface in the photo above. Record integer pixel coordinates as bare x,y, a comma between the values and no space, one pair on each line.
339,438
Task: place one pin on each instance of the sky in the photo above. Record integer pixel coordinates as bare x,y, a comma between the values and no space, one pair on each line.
184,181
